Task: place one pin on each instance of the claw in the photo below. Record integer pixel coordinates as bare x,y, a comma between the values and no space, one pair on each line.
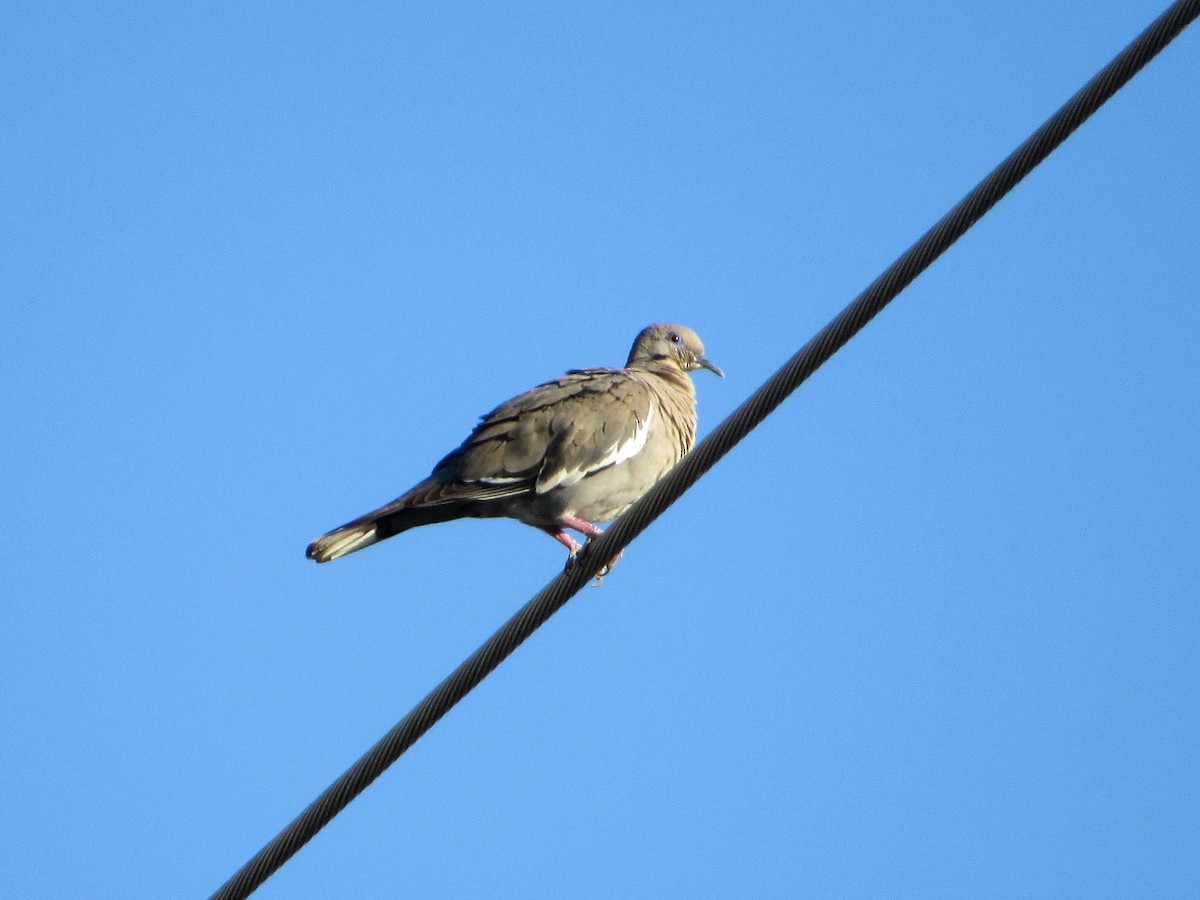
607,567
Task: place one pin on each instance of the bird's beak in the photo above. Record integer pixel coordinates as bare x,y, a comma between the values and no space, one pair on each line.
707,364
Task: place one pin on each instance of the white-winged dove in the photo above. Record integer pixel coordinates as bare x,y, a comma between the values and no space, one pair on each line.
565,455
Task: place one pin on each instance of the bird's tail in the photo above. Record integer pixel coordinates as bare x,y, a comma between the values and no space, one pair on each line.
405,512
428,503
364,531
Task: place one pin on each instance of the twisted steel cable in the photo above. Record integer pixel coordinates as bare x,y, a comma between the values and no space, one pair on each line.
706,454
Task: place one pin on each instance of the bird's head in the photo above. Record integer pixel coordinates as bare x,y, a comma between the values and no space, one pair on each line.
673,344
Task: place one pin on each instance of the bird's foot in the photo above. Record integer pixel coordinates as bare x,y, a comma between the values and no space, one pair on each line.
573,547
573,559
607,567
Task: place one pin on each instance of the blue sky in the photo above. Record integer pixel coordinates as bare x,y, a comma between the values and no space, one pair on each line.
932,630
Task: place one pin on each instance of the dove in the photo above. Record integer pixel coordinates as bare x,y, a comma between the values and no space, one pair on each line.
563,456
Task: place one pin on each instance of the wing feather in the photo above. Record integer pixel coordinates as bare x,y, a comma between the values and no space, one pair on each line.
551,436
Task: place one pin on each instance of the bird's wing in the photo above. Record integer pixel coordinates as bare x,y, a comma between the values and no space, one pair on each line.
551,436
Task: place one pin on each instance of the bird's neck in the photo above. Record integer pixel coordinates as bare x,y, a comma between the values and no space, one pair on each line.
670,372
678,400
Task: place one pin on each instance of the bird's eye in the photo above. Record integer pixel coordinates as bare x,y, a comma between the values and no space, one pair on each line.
674,337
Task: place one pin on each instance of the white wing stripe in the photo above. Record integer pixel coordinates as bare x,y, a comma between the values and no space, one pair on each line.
624,451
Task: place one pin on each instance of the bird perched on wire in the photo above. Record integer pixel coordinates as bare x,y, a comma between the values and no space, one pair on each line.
565,455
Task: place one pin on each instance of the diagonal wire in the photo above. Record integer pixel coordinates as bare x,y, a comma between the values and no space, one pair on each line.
739,424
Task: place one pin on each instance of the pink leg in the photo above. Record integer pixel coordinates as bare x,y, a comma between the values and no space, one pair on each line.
565,539
588,530
584,528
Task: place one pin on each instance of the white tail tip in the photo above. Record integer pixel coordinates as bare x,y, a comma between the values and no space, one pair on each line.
339,543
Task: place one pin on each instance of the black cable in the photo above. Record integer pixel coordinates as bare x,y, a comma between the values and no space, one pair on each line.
743,420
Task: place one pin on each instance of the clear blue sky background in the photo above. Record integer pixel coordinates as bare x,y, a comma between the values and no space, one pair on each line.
933,630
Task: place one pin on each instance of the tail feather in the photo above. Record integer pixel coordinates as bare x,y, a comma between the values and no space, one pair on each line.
426,504
375,526
342,541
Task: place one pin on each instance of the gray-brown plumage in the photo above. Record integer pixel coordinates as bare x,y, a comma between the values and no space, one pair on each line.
565,455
